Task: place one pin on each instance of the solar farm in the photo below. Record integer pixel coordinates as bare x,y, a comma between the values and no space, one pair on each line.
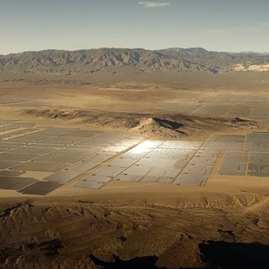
91,159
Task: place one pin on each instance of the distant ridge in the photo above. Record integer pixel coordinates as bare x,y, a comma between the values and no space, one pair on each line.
220,62
92,61
115,60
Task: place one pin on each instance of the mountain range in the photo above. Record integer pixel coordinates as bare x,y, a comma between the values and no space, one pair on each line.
112,60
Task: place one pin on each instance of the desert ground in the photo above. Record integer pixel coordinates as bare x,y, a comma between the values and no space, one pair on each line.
208,210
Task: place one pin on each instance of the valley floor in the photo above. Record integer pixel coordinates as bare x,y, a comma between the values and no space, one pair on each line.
223,224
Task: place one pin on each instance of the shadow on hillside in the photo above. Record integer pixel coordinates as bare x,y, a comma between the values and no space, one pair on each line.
138,262
213,255
234,255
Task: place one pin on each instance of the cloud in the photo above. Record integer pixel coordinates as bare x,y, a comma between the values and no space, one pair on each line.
153,4
150,4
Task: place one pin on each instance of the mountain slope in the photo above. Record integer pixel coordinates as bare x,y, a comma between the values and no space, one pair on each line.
125,61
91,61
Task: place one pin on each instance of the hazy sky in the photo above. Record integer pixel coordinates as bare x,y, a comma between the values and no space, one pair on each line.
221,25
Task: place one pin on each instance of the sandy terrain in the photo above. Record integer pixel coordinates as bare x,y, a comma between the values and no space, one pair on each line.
221,225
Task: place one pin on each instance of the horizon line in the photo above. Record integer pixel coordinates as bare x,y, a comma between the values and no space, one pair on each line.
118,48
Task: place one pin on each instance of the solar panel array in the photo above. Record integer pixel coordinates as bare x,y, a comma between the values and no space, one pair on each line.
89,159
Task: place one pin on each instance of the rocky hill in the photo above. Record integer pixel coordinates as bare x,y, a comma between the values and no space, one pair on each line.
83,62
